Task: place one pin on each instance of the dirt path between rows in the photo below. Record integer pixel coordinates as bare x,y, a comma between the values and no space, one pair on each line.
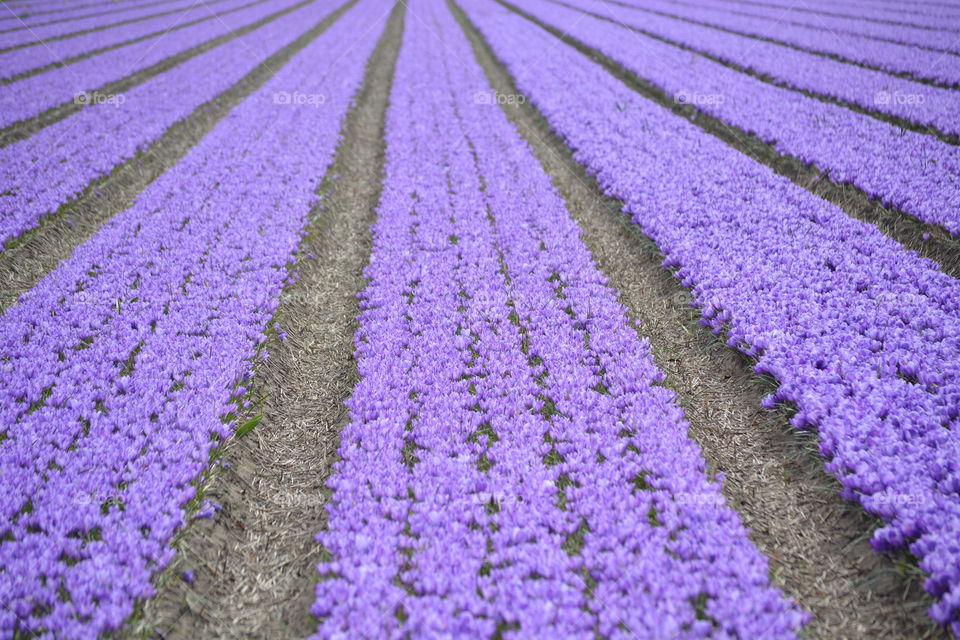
21,23
25,128
255,561
901,122
37,251
42,42
929,240
817,543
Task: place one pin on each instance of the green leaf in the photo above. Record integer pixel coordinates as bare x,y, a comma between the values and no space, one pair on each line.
248,426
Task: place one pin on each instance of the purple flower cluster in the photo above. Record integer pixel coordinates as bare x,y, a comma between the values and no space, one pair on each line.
96,139
32,6
15,19
59,6
935,38
895,58
46,53
917,102
512,466
40,35
917,14
914,172
120,368
863,336
34,95
16,9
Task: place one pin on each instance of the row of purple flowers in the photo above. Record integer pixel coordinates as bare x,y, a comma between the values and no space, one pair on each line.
921,64
18,17
940,37
512,467
862,335
147,17
36,94
114,128
42,52
877,91
915,172
121,367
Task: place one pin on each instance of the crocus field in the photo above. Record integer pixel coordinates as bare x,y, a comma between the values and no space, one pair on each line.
505,443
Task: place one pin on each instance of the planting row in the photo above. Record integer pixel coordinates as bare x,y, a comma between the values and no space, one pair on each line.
17,20
59,5
34,95
914,172
95,140
512,468
862,335
121,365
53,6
916,102
154,19
935,38
895,58
906,13
46,53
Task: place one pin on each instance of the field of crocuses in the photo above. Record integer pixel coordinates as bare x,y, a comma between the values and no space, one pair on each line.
507,442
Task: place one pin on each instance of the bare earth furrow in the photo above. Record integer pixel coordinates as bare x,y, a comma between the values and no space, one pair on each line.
813,538
254,563
480,319
39,251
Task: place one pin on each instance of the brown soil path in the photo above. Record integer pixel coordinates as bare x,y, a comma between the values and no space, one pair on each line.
255,562
817,543
929,240
35,253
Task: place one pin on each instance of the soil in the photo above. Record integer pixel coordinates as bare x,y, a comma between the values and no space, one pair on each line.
929,240
903,123
54,20
255,562
817,543
82,32
26,128
36,252
822,54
